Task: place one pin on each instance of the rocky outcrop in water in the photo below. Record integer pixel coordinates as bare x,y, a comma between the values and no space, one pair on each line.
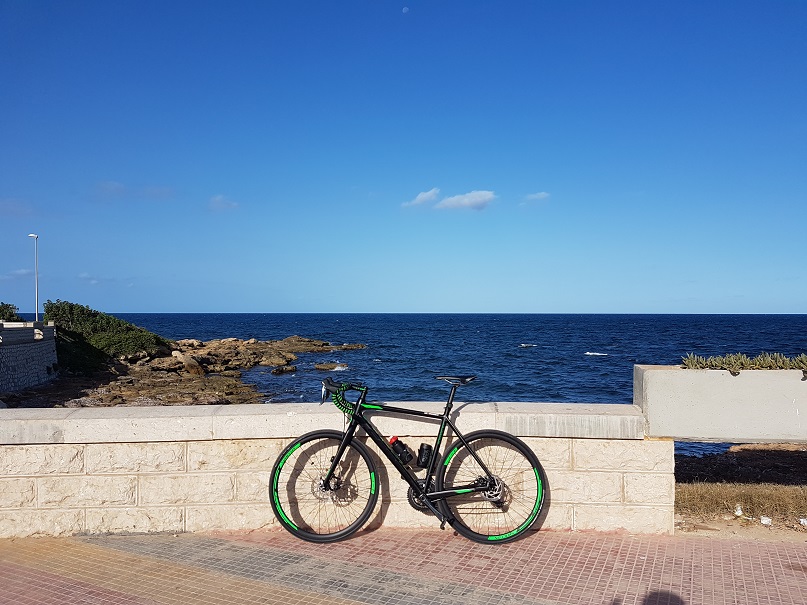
191,372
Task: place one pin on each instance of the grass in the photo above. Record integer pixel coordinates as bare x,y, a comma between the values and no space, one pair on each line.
788,502
764,479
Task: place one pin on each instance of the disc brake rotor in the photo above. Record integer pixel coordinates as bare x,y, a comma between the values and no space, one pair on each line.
495,493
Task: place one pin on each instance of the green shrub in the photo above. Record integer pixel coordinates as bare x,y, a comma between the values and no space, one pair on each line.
736,362
8,312
87,339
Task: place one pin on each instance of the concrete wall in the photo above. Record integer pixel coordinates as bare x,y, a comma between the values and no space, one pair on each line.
713,405
27,355
69,471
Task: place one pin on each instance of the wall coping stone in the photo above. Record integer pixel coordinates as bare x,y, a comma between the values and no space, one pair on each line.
27,426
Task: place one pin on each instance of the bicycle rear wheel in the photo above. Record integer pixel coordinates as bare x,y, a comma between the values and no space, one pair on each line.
299,498
512,501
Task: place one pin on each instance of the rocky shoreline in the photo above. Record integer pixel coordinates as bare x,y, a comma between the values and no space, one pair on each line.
190,372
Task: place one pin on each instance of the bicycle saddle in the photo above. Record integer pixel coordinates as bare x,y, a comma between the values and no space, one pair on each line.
458,380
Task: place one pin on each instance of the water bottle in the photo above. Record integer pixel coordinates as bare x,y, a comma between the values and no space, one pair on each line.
400,449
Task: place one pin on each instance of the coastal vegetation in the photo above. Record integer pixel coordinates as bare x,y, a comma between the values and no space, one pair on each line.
736,362
9,312
87,340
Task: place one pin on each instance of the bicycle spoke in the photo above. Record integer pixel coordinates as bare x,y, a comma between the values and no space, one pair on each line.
511,504
305,505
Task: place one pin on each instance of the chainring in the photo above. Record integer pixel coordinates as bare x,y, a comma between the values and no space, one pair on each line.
416,502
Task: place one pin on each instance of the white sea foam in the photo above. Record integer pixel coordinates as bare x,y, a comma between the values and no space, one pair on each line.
340,368
596,354
526,346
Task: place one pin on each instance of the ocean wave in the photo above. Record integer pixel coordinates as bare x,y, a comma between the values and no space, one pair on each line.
596,354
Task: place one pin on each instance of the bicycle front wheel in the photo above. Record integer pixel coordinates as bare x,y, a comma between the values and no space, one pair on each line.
514,488
309,509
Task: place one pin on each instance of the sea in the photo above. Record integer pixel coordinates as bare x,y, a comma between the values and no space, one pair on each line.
564,358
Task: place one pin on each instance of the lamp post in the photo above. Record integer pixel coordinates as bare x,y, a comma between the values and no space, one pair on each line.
36,273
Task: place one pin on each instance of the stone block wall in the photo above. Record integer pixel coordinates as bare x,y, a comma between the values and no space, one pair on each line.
27,355
206,468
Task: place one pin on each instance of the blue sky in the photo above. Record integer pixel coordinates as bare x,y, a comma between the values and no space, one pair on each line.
405,155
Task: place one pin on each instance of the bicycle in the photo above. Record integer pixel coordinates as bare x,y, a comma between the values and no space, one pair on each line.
488,486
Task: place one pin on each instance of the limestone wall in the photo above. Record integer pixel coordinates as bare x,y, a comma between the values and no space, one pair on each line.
27,355
70,471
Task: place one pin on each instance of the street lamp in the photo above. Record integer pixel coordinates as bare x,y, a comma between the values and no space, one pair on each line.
36,273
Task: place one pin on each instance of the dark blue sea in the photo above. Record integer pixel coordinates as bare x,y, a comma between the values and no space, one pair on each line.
544,358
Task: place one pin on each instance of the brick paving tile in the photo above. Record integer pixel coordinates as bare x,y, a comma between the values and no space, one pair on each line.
401,566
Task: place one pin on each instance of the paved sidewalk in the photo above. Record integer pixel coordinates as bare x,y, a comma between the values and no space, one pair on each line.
401,567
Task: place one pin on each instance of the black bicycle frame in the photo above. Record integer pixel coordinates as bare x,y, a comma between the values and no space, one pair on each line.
357,419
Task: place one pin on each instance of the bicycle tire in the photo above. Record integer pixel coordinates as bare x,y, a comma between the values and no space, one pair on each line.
300,503
499,515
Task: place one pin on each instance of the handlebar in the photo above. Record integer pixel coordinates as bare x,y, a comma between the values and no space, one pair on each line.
331,387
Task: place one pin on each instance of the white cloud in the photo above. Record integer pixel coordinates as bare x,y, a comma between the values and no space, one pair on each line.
423,197
221,203
475,200
18,274
535,199
87,278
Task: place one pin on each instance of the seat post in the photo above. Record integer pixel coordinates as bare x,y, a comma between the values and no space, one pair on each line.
450,401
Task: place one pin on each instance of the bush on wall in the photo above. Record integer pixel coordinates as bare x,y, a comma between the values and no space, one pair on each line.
736,362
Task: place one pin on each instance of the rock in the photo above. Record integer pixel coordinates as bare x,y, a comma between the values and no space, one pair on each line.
143,402
166,364
85,402
284,369
277,358
192,366
3,406
330,367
